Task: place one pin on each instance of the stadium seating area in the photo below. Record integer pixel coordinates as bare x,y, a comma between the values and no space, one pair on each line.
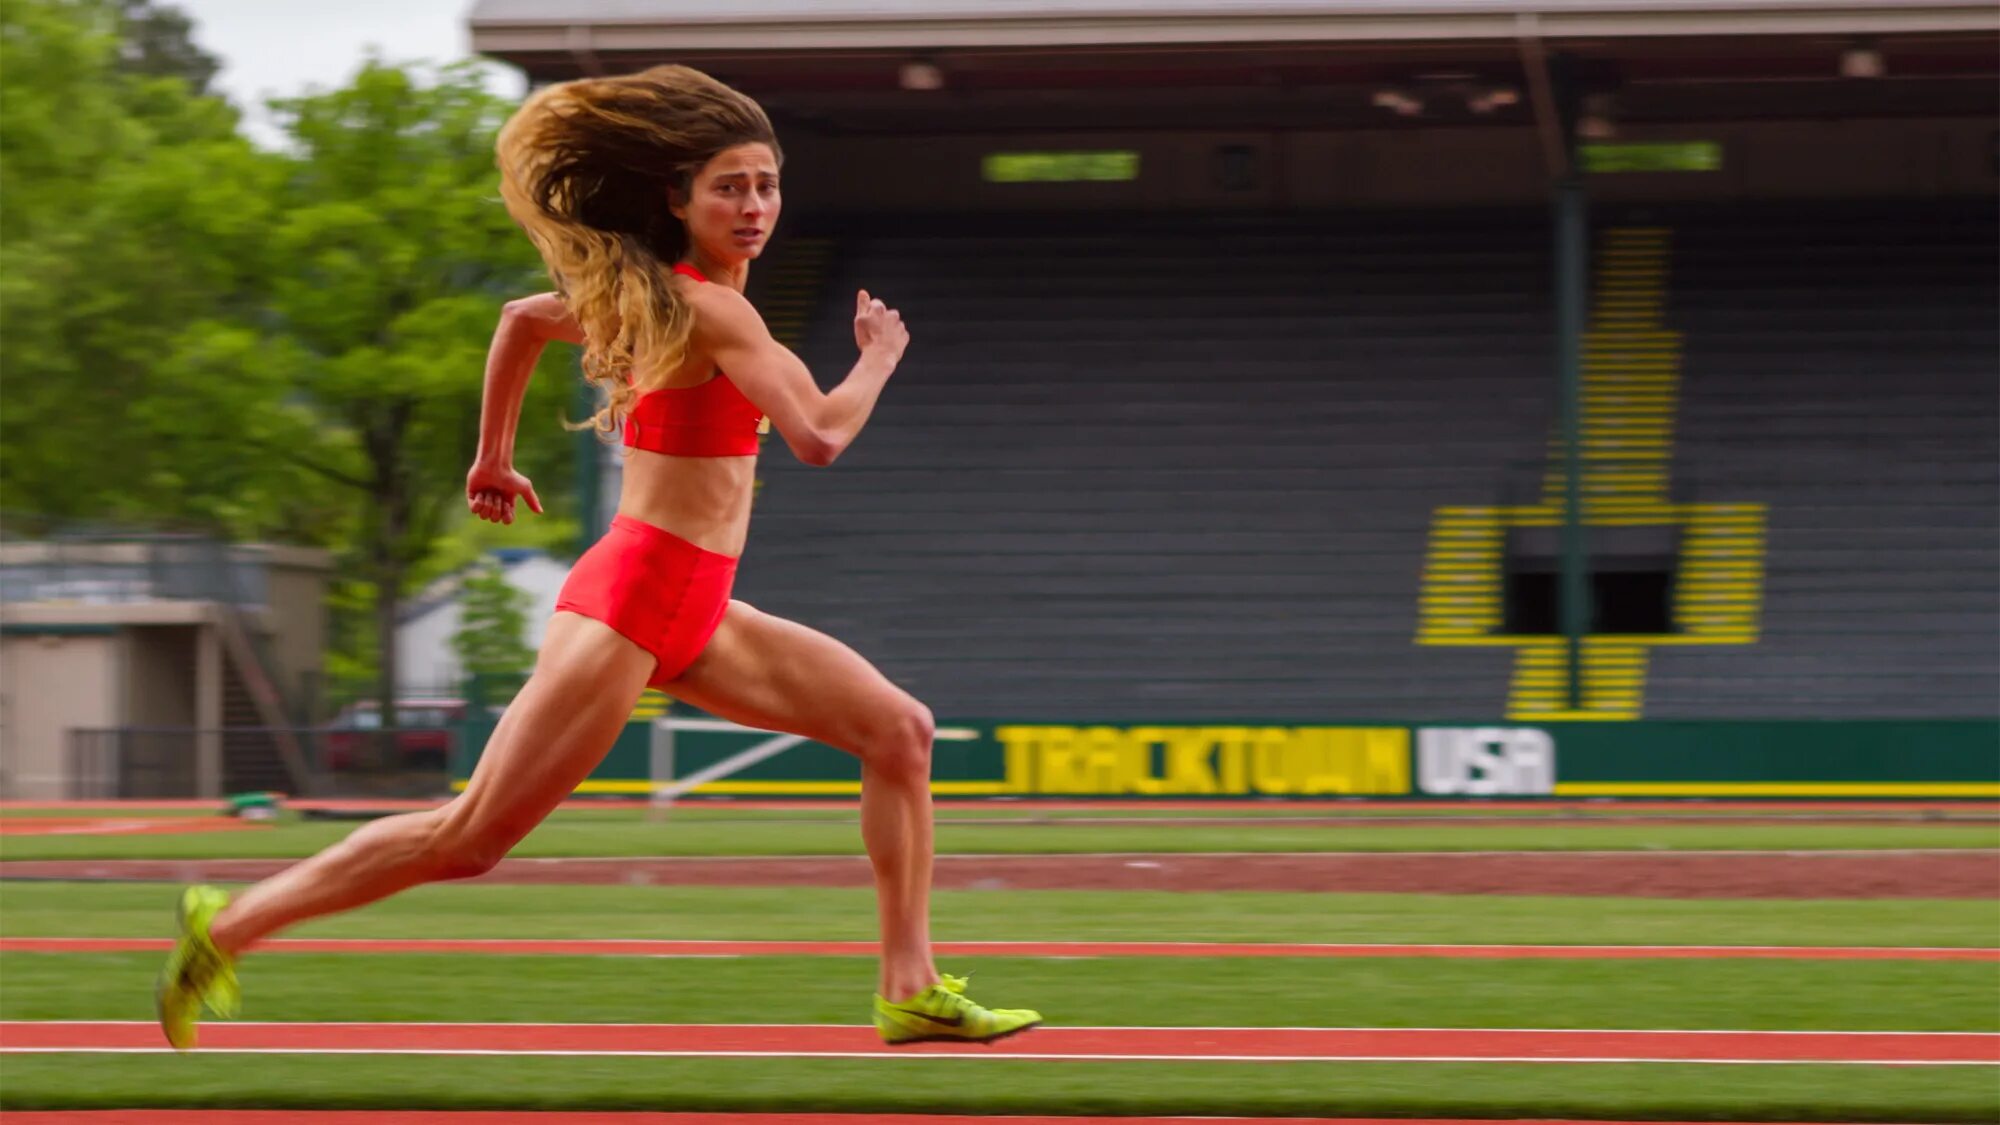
1181,468
1843,366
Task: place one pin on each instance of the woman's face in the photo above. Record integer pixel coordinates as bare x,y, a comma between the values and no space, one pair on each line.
733,204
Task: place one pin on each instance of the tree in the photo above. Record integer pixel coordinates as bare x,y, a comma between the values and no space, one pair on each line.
493,617
269,344
133,214
159,40
397,258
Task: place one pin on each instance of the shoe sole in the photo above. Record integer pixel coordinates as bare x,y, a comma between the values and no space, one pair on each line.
160,1012
1009,1034
161,988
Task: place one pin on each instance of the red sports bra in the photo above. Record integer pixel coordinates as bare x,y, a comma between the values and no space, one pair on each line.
710,419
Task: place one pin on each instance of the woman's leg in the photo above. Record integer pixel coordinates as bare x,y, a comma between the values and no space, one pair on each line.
764,671
586,682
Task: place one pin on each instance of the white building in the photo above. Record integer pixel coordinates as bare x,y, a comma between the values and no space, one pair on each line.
425,662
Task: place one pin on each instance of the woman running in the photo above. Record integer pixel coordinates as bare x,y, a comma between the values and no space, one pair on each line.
648,196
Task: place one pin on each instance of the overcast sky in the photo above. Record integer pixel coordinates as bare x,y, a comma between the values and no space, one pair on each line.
282,47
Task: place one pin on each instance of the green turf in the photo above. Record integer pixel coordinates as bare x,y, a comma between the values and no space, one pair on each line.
625,833
1248,992
1507,1091
809,914
1029,811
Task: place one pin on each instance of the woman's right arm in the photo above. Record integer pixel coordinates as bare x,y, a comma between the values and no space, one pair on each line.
526,327
816,425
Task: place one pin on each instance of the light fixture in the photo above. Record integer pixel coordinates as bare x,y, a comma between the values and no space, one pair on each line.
1402,104
1484,102
921,76
1861,61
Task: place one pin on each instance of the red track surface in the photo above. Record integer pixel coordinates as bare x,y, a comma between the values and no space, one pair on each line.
493,1117
1304,803
119,825
1213,1044
613,947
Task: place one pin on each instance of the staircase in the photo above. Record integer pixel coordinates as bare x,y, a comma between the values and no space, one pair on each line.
1461,581
1718,596
1614,680
260,748
1630,395
251,758
1631,380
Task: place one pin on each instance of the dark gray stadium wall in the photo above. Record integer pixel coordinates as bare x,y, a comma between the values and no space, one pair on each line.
1433,167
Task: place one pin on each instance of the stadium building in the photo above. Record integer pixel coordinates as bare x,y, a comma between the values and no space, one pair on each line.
1238,387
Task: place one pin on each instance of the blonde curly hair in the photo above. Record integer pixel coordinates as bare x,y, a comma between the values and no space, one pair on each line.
587,168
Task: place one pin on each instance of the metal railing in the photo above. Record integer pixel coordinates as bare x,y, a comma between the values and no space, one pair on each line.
127,763
113,568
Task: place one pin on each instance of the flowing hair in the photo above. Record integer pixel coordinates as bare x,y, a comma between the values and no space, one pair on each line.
587,168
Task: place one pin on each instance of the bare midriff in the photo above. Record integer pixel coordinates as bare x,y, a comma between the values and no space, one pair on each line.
704,500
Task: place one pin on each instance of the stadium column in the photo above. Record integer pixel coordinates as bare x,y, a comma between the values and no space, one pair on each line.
1572,255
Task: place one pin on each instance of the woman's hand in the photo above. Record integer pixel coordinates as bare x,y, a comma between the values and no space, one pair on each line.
490,490
878,329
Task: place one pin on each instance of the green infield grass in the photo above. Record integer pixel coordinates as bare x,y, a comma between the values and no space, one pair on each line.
1671,1092
66,909
1112,992
626,832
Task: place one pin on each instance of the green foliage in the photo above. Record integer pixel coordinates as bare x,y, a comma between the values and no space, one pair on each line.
156,40
468,540
133,214
396,258
353,649
282,345
493,620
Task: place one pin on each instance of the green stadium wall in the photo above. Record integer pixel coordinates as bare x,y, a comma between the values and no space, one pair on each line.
1695,758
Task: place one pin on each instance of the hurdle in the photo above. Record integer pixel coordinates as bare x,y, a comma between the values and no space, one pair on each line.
664,788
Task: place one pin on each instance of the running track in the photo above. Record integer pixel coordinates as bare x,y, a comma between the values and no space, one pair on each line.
544,1117
658,948
1594,805
1214,1044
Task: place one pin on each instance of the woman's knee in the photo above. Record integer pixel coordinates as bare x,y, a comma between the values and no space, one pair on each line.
902,745
464,847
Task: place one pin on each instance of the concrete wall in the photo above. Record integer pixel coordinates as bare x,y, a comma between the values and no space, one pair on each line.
1393,168
295,601
160,664
50,683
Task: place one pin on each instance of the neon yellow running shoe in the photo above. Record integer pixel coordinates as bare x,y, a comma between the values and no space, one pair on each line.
197,973
943,1011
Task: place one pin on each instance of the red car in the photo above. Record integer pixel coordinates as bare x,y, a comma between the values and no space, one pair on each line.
425,730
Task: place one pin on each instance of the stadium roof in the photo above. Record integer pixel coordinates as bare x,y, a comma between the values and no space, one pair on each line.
1065,64
507,27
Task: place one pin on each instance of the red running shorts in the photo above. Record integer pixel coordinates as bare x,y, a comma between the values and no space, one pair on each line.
659,591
